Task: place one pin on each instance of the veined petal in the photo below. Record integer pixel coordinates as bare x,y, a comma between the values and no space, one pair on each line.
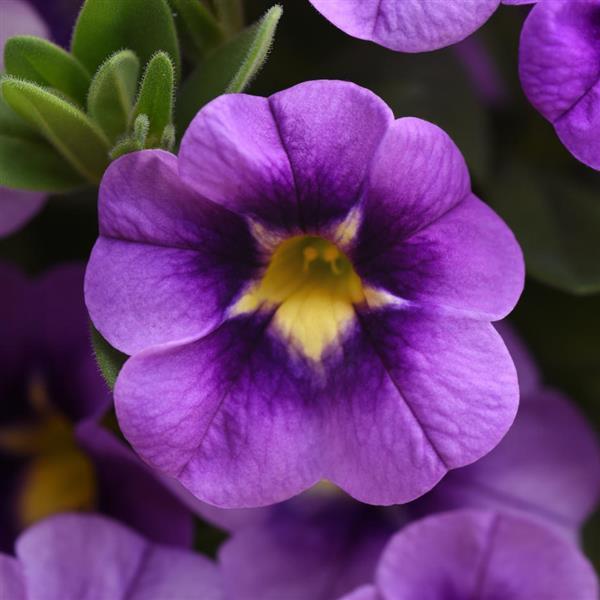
232,416
408,26
418,393
467,259
291,161
168,263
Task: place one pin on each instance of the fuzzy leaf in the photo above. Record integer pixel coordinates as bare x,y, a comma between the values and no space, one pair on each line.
107,26
112,93
229,68
76,138
44,63
156,95
109,359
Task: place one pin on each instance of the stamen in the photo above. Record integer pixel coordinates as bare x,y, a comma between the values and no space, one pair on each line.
331,255
310,254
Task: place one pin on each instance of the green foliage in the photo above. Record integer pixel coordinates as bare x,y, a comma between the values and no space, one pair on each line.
230,68
112,93
27,161
156,96
76,138
44,63
109,359
556,219
197,25
230,14
107,26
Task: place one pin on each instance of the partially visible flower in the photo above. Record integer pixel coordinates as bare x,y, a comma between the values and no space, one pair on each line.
60,15
415,26
560,72
17,206
72,557
480,554
53,455
307,292
322,544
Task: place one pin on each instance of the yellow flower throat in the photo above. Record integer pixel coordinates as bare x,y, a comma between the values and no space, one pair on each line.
313,287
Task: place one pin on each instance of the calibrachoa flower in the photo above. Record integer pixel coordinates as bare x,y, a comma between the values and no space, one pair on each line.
410,25
68,557
17,206
322,544
307,292
559,72
480,554
53,455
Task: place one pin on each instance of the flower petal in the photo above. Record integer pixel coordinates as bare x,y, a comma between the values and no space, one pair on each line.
416,176
547,467
11,576
94,558
291,161
559,69
483,554
414,26
365,592
17,207
131,493
228,415
419,394
467,260
167,263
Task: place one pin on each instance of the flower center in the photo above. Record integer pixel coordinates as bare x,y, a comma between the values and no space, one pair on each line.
312,286
59,476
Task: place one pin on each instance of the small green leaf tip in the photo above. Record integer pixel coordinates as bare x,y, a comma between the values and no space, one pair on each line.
258,50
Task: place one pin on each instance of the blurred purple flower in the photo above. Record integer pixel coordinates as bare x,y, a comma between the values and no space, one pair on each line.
17,206
322,544
60,15
480,554
410,25
53,454
89,556
324,314
560,70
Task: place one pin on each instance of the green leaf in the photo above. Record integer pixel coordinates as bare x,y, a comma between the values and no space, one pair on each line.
198,24
27,161
107,26
258,50
77,139
44,63
109,359
229,68
556,219
155,99
112,93
230,14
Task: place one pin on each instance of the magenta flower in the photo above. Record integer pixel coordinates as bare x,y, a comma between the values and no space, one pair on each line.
307,292
321,544
75,556
410,26
480,554
559,68
53,455
17,206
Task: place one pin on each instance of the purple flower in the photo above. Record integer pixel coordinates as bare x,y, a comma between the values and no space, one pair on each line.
94,558
17,206
321,544
307,292
52,394
560,66
410,26
480,554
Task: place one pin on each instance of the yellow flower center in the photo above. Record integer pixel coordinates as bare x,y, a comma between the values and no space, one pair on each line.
59,476
313,287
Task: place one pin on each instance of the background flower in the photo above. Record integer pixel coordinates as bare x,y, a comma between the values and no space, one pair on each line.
251,379
480,553
75,556
415,26
559,70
